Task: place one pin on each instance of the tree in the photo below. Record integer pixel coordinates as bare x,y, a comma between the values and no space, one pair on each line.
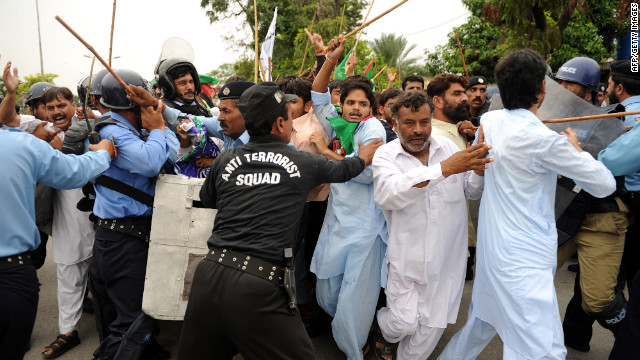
34,78
293,17
558,29
393,50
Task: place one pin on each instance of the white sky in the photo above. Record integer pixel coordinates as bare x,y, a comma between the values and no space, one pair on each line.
142,26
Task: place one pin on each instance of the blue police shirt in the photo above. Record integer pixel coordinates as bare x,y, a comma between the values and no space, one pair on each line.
27,160
213,128
632,181
137,164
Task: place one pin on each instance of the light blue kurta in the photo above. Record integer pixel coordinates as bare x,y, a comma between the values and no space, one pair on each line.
349,256
517,238
353,221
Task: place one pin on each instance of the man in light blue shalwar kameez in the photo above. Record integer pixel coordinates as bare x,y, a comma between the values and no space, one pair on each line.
348,259
514,295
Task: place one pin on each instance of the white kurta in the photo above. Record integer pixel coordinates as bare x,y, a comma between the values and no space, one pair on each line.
517,238
427,226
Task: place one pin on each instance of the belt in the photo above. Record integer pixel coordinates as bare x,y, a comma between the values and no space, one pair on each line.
125,226
245,263
599,206
12,261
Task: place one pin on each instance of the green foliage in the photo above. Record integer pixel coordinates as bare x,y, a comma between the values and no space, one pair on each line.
34,78
293,17
558,29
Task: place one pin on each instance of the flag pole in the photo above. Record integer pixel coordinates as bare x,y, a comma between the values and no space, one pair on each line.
363,22
39,41
113,19
306,48
255,15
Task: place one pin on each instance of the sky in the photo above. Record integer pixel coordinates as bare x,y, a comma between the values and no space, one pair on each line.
142,27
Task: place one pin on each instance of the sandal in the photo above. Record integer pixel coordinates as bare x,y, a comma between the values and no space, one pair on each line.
61,345
384,349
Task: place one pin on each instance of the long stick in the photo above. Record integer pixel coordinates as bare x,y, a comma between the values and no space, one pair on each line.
339,32
269,58
306,48
462,56
113,19
262,71
379,72
255,28
93,51
590,117
372,20
86,96
363,22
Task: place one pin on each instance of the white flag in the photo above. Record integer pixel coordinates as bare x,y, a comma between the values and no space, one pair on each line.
267,48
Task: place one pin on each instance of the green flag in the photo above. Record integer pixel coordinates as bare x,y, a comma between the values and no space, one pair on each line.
340,69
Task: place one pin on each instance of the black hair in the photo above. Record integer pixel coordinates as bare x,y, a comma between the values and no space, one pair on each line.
357,82
335,83
413,100
263,125
292,84
55,93
442,82
519,77
631,86
414,78
389,94
180,71
377,97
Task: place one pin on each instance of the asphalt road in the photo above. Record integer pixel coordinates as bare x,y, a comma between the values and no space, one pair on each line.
46,327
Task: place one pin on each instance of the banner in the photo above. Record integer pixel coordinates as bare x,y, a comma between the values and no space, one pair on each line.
267,49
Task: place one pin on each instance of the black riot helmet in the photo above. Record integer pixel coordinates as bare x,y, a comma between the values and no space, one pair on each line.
114,96
36,90
83,87
168,71
96,83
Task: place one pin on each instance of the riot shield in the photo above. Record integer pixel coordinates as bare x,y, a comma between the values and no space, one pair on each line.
594,135
175,47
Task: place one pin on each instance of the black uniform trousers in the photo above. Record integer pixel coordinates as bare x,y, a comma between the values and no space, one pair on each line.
18,306
117,274
627,344
230,311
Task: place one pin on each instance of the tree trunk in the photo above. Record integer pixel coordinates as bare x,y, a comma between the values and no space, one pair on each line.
320,12
539,18
563,21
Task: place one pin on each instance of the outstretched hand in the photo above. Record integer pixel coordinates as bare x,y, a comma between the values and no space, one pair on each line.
366,152
10,79
473,158
316,40
142,97
573,138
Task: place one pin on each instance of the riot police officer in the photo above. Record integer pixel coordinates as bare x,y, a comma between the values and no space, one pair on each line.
180,84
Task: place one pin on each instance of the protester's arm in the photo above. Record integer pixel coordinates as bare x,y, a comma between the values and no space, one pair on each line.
8,115
622,157
350,66
318,44
334,50
556,154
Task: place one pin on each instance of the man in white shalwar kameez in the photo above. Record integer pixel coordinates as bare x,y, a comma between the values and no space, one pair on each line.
420,184
513,294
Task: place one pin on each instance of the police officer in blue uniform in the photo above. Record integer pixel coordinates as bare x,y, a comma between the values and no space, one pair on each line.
123,206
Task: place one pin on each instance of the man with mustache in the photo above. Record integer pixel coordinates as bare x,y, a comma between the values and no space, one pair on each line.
421,176
180,84
450,109
477,98
513,294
